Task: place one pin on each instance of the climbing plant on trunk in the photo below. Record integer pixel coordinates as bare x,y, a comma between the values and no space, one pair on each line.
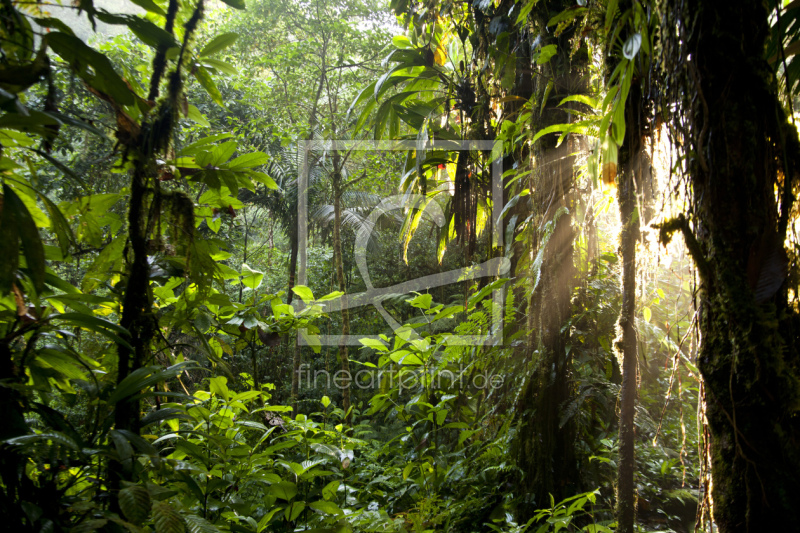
741,160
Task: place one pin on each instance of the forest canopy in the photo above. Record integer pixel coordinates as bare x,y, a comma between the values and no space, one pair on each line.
350,266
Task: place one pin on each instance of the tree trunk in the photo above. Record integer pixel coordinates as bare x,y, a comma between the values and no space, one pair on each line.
338,259
626,345
739,149
635,168
297,359
545,447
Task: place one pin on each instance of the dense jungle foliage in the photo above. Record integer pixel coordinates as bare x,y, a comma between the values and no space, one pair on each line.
343,266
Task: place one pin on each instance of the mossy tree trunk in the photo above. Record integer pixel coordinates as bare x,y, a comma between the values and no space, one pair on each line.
627,342
546,444
739,148
338,260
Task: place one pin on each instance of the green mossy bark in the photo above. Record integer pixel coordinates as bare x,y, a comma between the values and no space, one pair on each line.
749,355
545,446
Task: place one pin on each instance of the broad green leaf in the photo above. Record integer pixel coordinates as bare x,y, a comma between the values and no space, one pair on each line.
111,331
246,395
263,178
236,4
218,43
285,490
218,154
405,357
326,507
294,510
582,98
374,344
422,301
303,292
546,54
219,386
144,378
134,501
329,490
202,75
58,24
253,159
198,524
150,6
262,524
251,278
16,215
101,76
331,296
109,259
195,115
166,519
223,67
146,31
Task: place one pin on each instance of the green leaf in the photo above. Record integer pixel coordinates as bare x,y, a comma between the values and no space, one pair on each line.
582,98
422,301
16,215
262,524
166,519
146,31
546,54
329,490
285,490
218,43
111,331
219,386
222,67
325,402
566,15
143,378
236,4
134,501
405,357
197,524
202,75
263,178
160,415
150,6
50,22
331,296
326,507
647,314
294,510
246,395
81,57
303,292
195,115
251,278
374,344
555,128
218,154
253,159
55,437
109,260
